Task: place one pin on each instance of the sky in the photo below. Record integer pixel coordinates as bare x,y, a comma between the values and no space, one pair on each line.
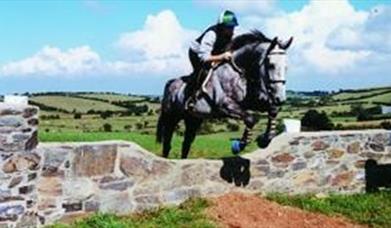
136,46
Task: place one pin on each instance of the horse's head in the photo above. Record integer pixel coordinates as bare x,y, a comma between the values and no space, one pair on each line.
272,67
265,64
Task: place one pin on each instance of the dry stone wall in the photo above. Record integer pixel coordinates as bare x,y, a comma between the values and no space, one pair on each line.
63,180
19,165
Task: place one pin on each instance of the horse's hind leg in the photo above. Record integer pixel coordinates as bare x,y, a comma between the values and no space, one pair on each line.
191,124
168,133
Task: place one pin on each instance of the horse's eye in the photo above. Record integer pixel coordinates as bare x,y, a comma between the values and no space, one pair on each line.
272,66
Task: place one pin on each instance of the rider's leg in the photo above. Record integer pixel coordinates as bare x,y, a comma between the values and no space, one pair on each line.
195,79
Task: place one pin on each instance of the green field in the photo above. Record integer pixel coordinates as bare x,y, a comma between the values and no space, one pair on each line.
112,97
354,95
206,146
384,98
140,128
78,104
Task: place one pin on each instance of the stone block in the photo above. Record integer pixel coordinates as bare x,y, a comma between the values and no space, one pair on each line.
319,145
193,174
342,179
180,195
119,203
72,206
10,212
30,111
79,189
21,162
94,160
148,199
11,121
335,153
26,189
117,185
49,186
15,181
135,167
354,148
91,205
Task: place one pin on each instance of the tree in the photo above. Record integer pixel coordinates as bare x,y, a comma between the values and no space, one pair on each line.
106,114
77,116
386,125
107,127
313,120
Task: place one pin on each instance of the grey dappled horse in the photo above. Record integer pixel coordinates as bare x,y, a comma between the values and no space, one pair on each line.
253,80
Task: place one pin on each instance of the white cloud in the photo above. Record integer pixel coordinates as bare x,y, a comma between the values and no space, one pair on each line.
243,6
331,39
53,61
162,37
374,34
312,27
159,48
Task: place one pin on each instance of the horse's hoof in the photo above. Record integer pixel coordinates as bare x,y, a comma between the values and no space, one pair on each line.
237,146
263,141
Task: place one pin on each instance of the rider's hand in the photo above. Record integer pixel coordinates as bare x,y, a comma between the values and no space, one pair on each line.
227,55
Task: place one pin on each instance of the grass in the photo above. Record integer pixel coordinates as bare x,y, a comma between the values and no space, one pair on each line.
385,98
350,95
112,97
189,214
95,123
206,146
78,104
373,210
370,209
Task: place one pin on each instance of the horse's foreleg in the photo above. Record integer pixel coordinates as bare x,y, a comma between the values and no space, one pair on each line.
233,110
270,133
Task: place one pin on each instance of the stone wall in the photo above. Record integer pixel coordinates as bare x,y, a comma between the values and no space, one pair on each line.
120,177
19,165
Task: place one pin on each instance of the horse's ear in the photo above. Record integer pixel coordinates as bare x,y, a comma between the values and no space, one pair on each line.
285,45
272,44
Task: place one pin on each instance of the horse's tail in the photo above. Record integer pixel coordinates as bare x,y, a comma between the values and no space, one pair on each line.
162,121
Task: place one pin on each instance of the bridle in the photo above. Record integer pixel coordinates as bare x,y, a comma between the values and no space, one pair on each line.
272,81
263,62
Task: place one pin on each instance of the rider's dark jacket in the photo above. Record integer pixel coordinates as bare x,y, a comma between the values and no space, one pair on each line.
210,42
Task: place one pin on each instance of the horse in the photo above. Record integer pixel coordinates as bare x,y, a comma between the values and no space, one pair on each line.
254,80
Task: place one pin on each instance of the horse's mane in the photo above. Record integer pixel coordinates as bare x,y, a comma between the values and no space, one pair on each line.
248,38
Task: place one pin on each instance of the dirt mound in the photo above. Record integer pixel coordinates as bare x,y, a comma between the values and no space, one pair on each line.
247,211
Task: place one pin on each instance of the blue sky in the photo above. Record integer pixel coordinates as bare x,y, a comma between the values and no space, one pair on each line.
100,46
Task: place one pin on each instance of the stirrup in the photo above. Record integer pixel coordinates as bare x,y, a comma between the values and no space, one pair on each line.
189,104
203,86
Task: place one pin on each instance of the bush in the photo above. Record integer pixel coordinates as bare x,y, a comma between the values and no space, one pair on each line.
386,125
139,126
128,127
232,127
313,120
107,127
106,114
50,117
77,116
206,128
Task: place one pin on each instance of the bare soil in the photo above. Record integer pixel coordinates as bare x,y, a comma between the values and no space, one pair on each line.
247,211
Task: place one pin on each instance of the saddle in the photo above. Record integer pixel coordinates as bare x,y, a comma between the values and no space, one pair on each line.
197,87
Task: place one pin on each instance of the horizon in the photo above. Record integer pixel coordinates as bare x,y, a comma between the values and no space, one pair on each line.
135,46
154,95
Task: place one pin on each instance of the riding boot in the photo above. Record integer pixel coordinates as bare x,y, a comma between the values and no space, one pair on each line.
194,89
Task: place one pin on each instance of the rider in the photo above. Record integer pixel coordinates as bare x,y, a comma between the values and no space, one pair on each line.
209,49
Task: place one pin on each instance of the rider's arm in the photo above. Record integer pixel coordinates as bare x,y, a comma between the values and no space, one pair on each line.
206,48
